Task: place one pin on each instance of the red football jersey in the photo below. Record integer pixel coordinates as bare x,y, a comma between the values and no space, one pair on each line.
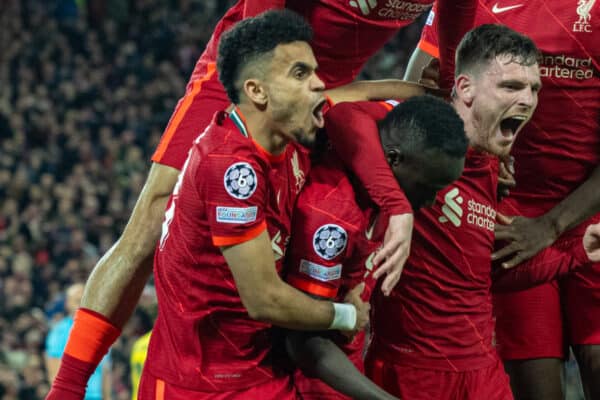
335,231
439,316
229,191
560,147
347,32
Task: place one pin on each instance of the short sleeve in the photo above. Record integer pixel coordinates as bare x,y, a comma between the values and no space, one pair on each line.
234,189
429,35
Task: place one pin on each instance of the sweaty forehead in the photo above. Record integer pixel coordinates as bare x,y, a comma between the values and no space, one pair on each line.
505,67
286,55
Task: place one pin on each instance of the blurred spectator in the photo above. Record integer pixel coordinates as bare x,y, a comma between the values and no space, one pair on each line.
99,386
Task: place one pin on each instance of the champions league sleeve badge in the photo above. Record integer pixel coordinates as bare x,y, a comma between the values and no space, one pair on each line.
240,180
329,241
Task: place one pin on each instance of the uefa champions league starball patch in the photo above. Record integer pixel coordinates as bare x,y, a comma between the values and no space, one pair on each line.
329,241
240,180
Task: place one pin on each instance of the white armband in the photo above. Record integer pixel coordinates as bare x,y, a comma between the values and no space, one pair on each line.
344,317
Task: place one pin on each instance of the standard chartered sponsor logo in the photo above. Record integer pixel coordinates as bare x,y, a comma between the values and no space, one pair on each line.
365,5
565,67
451,208
478,214
481,215
392,9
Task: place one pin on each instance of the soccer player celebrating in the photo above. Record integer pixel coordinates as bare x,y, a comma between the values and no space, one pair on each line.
216,277
432,337
337,229
346,35
557,176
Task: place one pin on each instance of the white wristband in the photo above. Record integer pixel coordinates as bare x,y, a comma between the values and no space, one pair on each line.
344,317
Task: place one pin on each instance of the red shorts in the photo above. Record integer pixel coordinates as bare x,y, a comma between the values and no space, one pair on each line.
194,111
489,383
529,323
581,300
152,388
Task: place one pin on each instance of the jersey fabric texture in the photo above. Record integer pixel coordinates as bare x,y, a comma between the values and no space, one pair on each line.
335,231
554,154
346,35
439,316
230,190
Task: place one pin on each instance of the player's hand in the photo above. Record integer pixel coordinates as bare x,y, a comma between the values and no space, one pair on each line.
591,242
362,309
506,176
525,236
430,75
396,248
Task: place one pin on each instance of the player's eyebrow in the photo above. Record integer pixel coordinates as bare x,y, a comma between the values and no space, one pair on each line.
303,66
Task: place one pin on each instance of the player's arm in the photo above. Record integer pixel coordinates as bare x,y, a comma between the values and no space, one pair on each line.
375,90
549,265
455,18
116,283
419,59
267,298
528,236
351,131
318,356
114,287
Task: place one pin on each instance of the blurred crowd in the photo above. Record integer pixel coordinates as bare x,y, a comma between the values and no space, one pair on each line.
86,88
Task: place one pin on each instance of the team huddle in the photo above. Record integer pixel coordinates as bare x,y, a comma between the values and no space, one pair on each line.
312,237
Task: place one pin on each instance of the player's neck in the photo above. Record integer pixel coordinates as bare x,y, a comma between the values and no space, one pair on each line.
465,114
262,130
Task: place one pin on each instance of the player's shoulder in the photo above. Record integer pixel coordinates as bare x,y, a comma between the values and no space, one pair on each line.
222,139
330,192
375,110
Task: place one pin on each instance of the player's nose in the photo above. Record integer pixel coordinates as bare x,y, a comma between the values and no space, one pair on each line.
316,84
527,98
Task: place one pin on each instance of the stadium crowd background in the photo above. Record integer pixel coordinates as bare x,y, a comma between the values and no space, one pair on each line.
86,88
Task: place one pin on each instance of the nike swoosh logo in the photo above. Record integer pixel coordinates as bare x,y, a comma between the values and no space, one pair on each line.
369,232
498,10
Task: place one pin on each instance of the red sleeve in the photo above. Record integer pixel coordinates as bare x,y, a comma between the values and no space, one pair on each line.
235,193
354,136
255,7
322,238
429,35
455,17
551,263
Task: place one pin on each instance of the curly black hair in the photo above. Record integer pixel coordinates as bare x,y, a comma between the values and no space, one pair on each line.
424,123
484,43
253,39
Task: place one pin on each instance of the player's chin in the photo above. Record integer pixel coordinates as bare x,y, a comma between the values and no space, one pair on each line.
308,141
306,138
502,148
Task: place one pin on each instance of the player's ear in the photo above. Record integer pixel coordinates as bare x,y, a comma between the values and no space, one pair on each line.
394,156
463,88
255,91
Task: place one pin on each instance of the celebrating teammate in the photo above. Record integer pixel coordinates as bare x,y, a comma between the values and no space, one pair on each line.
216,277
557,175
437,342
346,35
337,229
